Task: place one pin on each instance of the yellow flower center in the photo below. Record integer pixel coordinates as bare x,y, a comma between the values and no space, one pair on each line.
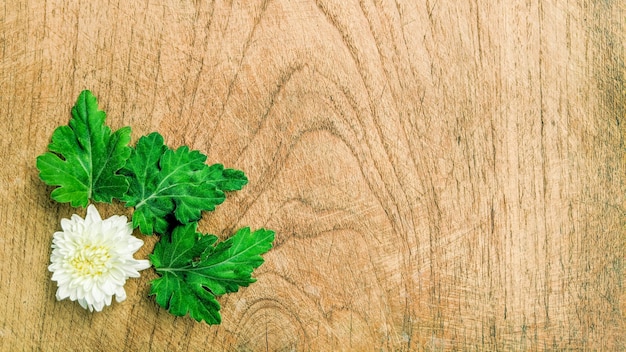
91,260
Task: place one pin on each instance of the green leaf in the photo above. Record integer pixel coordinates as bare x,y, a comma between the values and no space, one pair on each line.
194,269
84,157
226,179
166,183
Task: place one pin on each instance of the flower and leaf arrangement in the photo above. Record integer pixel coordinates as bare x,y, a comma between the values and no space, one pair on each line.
168,190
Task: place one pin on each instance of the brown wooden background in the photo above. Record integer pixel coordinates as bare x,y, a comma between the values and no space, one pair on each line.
441,175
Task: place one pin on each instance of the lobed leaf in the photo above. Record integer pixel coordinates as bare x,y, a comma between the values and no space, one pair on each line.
85,156
194,269
173,183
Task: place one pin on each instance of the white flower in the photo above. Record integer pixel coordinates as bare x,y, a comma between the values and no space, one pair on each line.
92,258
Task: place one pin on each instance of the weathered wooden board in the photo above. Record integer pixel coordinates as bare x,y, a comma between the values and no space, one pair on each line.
441,175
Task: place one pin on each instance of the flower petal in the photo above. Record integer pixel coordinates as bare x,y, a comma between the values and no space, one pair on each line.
92,258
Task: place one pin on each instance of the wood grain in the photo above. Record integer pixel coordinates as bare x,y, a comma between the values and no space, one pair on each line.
440,175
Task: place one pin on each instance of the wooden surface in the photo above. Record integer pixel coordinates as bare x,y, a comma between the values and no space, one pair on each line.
440,176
